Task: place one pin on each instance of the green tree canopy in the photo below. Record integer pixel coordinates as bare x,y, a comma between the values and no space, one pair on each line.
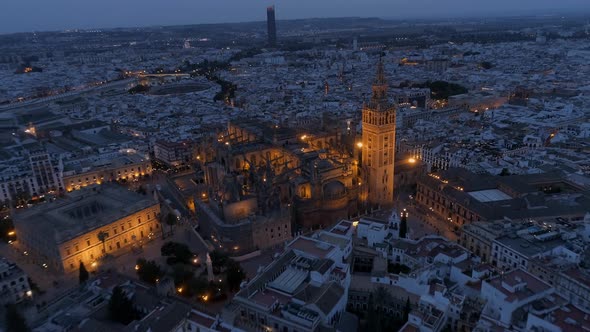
121,308
234,275
83,275
15,322
148,271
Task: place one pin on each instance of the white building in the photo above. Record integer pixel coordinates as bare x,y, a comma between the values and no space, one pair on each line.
508,292
14,283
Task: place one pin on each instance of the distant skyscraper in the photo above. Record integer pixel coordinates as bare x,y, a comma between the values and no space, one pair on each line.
271,25
378,144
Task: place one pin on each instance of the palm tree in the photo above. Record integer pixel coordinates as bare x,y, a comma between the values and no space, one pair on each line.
102,237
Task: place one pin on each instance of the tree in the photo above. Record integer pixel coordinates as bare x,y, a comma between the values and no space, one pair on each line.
139,89
234,275
181,274
83,276
171,221
504,172
102,237
15,322
403,225
407,310
198,286
6,230
148,271
121,308
179,252
218,259
486,65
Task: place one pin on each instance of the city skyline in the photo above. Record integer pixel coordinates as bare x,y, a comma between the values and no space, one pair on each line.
63,15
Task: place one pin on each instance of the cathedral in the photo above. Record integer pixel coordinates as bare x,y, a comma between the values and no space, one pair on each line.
267,181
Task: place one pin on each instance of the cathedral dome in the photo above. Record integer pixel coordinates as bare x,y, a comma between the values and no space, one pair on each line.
334,189
324,164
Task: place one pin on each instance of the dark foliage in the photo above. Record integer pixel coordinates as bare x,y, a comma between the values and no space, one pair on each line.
83,275
121,308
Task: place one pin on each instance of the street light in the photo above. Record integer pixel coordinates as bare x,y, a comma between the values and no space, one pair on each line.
359,145
412,160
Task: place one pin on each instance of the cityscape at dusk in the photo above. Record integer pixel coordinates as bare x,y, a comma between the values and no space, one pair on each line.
182,166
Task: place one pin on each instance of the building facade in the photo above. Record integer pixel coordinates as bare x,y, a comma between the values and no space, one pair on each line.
378,142
120,168
174,154
271,25
14,283
86,225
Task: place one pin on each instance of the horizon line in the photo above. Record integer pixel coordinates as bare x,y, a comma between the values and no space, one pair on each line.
433,18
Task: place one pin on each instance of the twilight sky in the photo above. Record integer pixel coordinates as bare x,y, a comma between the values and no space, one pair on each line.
39,15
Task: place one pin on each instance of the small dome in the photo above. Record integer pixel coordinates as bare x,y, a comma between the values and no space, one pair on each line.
334,188
325,164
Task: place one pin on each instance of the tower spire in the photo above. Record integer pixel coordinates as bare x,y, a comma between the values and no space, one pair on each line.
380,85
380,78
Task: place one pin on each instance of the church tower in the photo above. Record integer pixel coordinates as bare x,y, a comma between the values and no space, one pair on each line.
378,142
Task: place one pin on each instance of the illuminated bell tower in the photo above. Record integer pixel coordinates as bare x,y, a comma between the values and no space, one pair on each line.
378,142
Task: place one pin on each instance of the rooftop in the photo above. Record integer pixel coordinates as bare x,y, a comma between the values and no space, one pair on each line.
517,285
83,211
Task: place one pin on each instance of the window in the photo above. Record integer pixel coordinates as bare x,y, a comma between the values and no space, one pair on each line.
77,248
88,242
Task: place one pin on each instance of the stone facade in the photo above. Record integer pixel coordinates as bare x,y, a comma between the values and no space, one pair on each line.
66,232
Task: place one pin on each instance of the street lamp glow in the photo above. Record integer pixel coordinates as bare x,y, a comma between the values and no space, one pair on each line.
303,137
359,144
412,160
